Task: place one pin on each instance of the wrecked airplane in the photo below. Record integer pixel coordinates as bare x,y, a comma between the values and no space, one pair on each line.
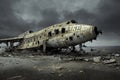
62,35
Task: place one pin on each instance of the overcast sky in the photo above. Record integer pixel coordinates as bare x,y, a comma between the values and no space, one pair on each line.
17,16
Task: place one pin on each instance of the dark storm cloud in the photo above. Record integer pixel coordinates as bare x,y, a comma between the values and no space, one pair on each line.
82,16
50,16
109,15
9,24
106,16
44,13
17,16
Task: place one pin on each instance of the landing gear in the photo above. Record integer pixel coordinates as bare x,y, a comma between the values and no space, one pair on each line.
81,51
73,49
80,47
44,46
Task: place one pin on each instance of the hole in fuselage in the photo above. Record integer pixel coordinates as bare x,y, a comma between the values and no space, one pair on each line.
78,36
68,22
71,38
66,38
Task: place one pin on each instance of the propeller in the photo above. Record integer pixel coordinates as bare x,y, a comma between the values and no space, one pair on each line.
97,32
100,31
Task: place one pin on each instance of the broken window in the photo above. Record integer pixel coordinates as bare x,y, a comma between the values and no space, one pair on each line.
56,31
71,38
49,34
63,30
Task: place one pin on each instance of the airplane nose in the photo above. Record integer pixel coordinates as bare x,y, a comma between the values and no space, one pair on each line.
97,32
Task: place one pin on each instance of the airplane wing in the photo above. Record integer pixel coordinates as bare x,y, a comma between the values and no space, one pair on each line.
14,39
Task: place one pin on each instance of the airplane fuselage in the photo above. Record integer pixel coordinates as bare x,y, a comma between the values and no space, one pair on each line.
59,35
65,34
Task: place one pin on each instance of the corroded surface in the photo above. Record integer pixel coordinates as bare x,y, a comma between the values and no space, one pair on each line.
72,34
65,34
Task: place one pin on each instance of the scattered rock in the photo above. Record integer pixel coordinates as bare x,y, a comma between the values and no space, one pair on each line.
97,59
60,68
117,55
78,59
117,65
107,57
86,60
109,61
9,55
69,70
60,74
81,71
92,49
15,78
31,56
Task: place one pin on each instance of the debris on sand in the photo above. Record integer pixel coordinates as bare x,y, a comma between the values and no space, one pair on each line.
86,60
116,65
107,57
15,78
110,61
97,59
72,58
92,49
117,55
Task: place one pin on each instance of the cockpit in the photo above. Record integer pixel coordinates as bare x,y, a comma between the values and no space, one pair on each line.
71,21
